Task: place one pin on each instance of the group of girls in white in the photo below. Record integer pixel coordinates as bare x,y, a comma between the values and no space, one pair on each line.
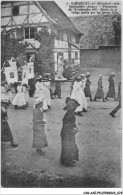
18,97
21,98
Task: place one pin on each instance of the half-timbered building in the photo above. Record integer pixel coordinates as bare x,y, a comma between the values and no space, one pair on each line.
25,18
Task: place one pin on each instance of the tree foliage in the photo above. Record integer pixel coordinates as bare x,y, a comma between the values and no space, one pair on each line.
10,47
44,61
99,30
117,29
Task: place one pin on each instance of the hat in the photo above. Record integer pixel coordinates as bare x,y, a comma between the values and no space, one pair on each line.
78,78
112,74
39,77
101,76
38,100
82,75
67,99
73,73
88,73
71,104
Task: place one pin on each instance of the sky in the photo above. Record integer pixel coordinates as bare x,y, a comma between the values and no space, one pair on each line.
64,4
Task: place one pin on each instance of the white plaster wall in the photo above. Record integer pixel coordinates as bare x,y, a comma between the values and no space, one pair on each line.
64,36
55,60
72,54
6,11
23,9
73,40
5,21
44,19
65,55
19,19
33,9
60,44
35,18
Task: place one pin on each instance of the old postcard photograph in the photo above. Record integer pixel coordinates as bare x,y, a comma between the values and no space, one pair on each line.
61,96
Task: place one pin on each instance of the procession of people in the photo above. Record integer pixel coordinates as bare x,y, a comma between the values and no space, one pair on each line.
76,104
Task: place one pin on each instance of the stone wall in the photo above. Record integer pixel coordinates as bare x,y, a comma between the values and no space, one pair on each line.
104,58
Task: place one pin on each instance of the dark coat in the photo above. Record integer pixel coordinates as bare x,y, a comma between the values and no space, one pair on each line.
39,136
87,88
69,150
6,135
99,92
111,91
57,89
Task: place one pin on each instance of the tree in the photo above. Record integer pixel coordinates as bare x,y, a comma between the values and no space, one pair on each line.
117,28
44,61
10,47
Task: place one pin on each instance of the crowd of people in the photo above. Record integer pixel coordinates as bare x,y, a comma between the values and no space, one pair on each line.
76,104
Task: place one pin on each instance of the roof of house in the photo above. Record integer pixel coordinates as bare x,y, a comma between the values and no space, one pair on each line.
56,13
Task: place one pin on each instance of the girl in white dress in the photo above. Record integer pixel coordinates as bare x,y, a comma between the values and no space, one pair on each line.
26,93
47,93
39,92
19,99
77,95
4,96
84,100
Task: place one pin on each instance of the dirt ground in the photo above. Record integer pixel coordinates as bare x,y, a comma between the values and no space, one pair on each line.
99,141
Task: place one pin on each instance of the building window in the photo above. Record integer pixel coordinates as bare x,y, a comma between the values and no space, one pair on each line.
76,55
60,36
77,40
11,75
30,33
27,33
73,39
15,11
29,56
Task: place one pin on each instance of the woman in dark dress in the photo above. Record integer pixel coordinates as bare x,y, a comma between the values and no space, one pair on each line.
111,92
69,152
6,135
114,111
87,90
100,92
57,89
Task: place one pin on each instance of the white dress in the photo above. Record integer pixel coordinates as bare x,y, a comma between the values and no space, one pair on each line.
9,93
84,100
26,94
77,95
39,92
19,98
47,92
4,96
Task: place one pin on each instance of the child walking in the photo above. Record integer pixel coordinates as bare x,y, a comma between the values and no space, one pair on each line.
39,136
